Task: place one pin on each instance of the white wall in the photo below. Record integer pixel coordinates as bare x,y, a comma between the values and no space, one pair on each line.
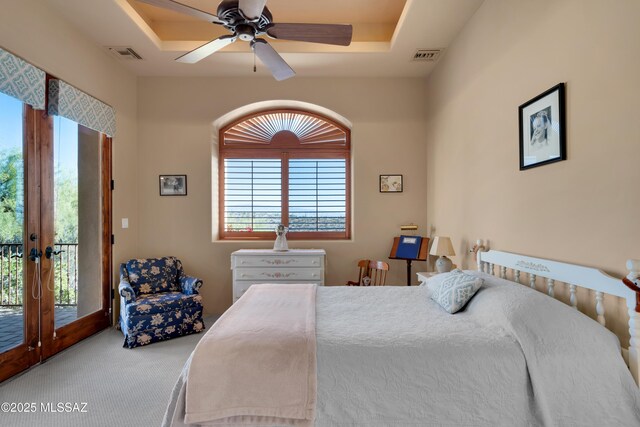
582,210
175,137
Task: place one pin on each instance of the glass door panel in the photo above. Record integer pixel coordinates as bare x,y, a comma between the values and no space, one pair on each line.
77,250
12,222
55,254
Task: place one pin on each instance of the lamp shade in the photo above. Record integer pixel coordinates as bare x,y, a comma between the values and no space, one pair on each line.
442,246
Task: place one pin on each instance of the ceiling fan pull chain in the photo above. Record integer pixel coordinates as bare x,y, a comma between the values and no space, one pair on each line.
254,61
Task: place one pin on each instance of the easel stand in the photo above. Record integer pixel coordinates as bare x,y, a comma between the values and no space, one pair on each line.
409,272
420,256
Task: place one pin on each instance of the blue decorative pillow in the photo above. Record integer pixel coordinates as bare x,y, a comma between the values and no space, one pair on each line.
455,291
154,275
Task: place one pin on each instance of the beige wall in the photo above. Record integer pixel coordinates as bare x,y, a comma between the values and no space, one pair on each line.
32,30
582,210
89,221
175,136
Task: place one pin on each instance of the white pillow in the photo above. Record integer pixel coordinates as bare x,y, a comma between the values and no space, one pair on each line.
432,283
455,290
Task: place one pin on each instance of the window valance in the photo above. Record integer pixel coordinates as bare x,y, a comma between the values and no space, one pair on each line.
22,80
70,102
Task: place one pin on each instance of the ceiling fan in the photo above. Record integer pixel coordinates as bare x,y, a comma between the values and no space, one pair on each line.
250,19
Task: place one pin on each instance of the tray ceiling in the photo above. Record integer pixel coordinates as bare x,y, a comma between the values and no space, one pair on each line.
386,35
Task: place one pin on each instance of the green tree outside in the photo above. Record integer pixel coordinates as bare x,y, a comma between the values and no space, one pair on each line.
12,230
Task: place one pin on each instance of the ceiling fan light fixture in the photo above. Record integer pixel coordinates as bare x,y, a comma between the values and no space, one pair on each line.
245,32
250,19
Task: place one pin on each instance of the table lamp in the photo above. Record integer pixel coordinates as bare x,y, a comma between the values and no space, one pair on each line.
442,246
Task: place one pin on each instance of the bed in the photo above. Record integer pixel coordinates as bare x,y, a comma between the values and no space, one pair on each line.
390,356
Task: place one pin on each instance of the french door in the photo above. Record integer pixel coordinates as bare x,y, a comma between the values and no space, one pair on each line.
55,234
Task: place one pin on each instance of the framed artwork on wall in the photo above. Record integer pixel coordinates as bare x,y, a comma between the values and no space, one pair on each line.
391,183
173,185
543,129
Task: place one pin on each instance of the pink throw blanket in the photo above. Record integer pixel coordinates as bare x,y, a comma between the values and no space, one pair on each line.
257,364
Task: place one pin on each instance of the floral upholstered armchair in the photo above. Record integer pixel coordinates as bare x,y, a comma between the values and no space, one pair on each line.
158,301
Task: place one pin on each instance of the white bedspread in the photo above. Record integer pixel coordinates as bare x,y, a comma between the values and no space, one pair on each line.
389,356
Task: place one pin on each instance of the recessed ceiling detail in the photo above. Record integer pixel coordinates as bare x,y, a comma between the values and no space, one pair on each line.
373,23
386,34
251,21
261,129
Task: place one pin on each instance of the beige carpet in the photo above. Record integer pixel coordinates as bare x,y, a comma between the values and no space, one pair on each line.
120,387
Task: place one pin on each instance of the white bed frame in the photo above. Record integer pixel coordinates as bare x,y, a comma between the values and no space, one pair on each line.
575,276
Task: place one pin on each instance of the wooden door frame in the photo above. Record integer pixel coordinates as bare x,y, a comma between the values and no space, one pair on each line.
28,353
41,338
57,339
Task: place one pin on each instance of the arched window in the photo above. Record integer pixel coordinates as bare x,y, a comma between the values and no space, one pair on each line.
288,167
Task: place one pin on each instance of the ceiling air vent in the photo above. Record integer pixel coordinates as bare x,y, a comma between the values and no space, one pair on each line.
426,55
124,52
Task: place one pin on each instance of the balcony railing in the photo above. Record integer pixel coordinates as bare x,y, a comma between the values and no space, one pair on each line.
65,274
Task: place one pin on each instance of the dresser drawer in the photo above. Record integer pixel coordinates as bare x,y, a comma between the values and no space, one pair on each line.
239,288
278,261
259,266
278,274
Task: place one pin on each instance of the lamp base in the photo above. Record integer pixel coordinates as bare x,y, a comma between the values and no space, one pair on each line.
443,264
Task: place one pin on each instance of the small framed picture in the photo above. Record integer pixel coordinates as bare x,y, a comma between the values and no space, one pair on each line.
391,183
173,185
542,129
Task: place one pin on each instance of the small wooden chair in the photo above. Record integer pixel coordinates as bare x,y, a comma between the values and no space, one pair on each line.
374,270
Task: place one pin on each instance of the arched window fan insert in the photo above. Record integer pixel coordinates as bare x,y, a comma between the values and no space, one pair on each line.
285,166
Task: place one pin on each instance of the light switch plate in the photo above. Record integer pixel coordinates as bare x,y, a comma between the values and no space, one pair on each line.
125,222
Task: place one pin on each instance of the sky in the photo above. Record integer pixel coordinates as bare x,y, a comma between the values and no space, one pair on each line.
65,135
10,122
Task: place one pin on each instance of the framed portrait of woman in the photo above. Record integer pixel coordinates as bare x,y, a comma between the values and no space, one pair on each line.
542,129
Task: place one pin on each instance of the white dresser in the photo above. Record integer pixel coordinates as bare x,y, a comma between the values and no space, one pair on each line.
255,266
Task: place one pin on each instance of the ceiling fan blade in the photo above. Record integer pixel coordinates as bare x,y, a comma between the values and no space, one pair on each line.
315,33
272,60
252,9
206,49
183,8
